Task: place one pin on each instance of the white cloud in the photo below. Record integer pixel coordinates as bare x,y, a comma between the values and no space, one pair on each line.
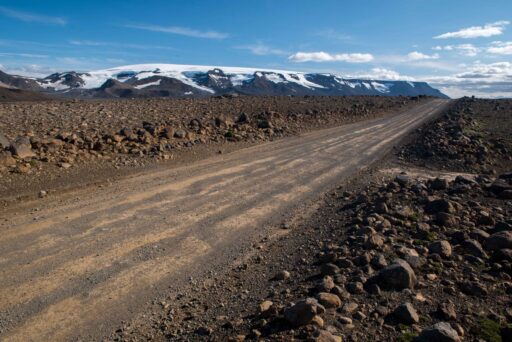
417,56
28,70
488,30
261,49
321,56
24,55
464,49
382,74
182,31
32,17
479,79
94,43
500,48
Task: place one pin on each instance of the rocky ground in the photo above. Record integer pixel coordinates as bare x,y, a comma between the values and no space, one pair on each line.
47,144
473,137
411,254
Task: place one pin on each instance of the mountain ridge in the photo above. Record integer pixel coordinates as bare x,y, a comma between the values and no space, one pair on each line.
175,80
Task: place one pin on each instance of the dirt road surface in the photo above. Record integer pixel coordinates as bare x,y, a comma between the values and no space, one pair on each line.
74,265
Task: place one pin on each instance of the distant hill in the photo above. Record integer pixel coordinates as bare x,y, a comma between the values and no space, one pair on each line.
13,94
171,80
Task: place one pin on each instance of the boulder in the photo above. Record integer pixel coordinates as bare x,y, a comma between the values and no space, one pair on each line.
180,134
442,248
321,335
499,240
6,159
397,276
329,300
329,269
406,314
473,247
439,184
21,148
439,205
4,143
303,312
439,332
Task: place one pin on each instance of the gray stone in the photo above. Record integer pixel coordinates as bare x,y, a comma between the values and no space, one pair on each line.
328,300
439,332
406,314
329,269
181,134
303,312
443,248
439,184
21,149
6,159
397,276
499,240
474,248
4,143
439,205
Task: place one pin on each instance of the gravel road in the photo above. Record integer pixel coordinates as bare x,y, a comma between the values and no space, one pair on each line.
74,265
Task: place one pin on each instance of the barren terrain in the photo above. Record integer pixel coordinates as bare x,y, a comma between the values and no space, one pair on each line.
76,264
63,144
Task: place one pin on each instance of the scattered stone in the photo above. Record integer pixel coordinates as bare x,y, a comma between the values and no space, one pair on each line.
442,248
180,134
329,300
329,269
355,287
344,320
397,276
4,142
325,336
439,205
446,311
283,275
439,332
21,149
6,159
406,314
499,240
303,312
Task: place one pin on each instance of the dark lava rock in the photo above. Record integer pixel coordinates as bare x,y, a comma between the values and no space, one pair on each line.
397,276
406,314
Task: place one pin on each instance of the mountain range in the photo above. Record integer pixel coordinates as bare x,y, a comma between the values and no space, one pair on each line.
181,81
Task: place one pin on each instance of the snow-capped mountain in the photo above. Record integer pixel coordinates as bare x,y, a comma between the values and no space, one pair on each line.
171,80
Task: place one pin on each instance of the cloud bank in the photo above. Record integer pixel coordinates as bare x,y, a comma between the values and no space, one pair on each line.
488,30
319,57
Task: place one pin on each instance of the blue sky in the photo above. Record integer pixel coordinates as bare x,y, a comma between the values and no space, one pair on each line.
463,47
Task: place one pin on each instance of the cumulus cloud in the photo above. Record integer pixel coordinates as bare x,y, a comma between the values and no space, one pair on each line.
32,17
182,31
500,48
321,56
488,30
261,49
464,49
418,56
382,74
479,79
